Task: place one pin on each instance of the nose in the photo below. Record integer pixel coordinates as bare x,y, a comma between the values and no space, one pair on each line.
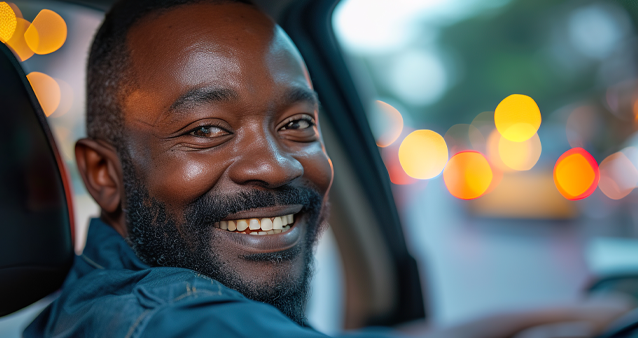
263,162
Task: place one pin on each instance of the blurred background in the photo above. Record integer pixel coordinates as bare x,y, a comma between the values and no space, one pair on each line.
507,128
502,219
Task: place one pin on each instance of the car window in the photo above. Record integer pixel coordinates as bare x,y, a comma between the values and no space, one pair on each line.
507,128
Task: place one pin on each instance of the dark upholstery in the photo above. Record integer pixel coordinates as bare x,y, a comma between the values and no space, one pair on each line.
36,246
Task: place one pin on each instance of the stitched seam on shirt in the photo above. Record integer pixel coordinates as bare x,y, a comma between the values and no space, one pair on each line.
129,334
91,262
189,292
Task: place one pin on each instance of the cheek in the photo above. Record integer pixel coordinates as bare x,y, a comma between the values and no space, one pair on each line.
182,179
317,168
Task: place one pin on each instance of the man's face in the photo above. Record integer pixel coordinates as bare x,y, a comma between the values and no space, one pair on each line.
221,127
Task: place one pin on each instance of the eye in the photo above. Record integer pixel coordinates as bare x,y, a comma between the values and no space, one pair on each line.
208,131
299,122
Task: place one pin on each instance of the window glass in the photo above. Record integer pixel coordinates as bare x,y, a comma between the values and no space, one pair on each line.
508,131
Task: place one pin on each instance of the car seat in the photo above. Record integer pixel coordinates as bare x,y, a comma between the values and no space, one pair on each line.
36,222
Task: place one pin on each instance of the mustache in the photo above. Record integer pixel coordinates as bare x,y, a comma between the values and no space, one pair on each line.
208,209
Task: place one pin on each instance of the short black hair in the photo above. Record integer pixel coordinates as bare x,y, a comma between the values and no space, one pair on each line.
108,80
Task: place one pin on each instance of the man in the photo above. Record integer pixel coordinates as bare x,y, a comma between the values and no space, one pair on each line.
205,156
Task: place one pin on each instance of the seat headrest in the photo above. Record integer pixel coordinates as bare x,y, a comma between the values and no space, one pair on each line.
36,224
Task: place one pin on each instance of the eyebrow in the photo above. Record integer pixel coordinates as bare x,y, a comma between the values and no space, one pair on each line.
300,94
198,96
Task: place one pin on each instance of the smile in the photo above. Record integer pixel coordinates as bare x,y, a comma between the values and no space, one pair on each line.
258,226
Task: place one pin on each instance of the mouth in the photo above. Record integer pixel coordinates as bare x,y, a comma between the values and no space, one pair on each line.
258,226
265,230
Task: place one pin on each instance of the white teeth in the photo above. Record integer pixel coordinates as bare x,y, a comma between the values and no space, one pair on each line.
266,224
254,224
242,225
277,223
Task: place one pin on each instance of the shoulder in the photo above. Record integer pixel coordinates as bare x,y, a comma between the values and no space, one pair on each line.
120,302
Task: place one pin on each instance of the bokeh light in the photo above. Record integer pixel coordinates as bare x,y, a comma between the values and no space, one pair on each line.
517,117
16,10
582,126
576,174
493,153
467,175
17,42
423,154
484,122
386,123
461,137
520,155
8,22
390,156
618,176
46,90
47,32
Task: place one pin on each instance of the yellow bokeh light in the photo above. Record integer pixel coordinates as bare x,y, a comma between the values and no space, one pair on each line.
47,32
618,176
17,43
520,156
493,152
46,90
467,175
517,117
8,22
392,123
576,174
423,154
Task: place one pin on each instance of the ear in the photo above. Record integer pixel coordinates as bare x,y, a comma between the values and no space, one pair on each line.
101,171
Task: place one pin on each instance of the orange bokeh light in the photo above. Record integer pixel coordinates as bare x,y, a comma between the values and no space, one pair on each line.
576,174
467,175
46,90
618,176
47,32
17,42
8,22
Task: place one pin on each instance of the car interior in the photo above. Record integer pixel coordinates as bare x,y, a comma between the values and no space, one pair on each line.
404,249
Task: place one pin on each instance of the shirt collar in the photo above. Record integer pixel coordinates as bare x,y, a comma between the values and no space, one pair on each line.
107,249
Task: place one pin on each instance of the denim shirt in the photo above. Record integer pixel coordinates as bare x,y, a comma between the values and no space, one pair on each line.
109,292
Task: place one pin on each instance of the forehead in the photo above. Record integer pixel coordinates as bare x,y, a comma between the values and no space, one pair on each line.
232,45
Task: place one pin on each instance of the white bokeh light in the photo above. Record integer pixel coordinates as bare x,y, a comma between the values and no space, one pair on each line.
417,77
596,29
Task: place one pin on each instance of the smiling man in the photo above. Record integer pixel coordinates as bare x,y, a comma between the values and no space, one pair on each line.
205,157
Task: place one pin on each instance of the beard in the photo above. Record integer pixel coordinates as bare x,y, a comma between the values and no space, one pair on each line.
160,239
